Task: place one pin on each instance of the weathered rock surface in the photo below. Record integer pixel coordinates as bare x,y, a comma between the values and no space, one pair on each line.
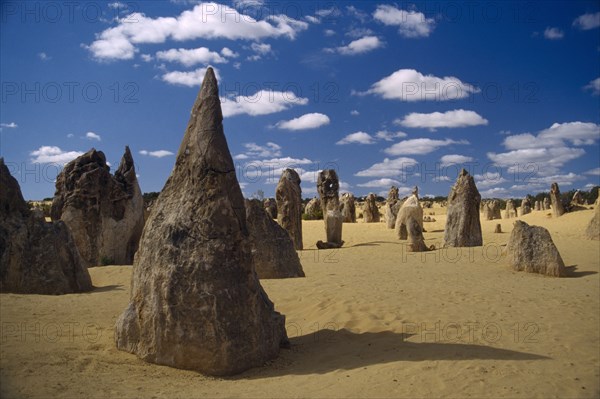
270,206
105,213
370,210
196,302
289,205
546,204
577,198
531,249
410,208
557,205
392,207
511,211
313,210
463,228
348,208
592,230
273,253
538,206
328,188
498,228
35,257
416,242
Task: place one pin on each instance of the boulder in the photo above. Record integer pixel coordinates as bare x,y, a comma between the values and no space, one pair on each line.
35,257
289,205
498,228
511,211
370,210
348,208
273,253
592,230
328,189
392,207
270,206
463,228
105,213
531,249
312,210
196,302
557,206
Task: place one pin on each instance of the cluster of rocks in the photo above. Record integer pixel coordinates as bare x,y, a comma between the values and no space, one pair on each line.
105,213
490,210
36,257
196,301
511,211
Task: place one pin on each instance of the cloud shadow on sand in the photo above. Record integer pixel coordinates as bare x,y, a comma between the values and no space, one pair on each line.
329,350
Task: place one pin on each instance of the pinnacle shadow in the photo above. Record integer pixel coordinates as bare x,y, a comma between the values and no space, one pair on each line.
330,351
106,288
573,273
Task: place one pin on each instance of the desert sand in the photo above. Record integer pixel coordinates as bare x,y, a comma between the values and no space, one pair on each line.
369,320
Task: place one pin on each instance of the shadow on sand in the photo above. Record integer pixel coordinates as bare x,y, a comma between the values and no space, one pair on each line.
572,273
107,288
330,350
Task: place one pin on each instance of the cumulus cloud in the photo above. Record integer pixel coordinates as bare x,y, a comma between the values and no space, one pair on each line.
359,46
357,138
385,182
188,78
260,50
593,86
448,119
354,112
157,154
411,85
593,172
191,57
253,150
389,167
553,33
11,125
205,21
489,179
53,154
263,102
420,146
411,24
307,121
587,21
455,159
389,136
93,136
44,57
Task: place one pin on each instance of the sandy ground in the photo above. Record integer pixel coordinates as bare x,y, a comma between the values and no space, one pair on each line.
369,320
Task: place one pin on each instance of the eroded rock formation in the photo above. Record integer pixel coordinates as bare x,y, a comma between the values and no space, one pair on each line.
463,228
328,189
289,205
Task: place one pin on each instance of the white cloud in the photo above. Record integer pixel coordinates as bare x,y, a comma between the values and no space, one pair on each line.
117,5
410,24
389,167
553,33
357,138
360,46
547,152
354,112
146,57
93,136
253,150
248,3
489,179
541,181
497,192
229,53
189,78
355,33
411,85
157,154
44,57
53,154
420,146
389,136
70,135
191,57
385,182
312,19
594,86
454,159
261,48
263,102
593,172
329,32
587,21
304,122
448,119
10,125
204,21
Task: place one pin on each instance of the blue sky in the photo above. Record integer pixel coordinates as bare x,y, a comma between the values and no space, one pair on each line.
400,93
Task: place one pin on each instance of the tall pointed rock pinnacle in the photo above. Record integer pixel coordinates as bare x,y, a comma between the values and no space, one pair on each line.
196,302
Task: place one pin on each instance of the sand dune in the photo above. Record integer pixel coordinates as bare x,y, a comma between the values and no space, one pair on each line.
369,320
